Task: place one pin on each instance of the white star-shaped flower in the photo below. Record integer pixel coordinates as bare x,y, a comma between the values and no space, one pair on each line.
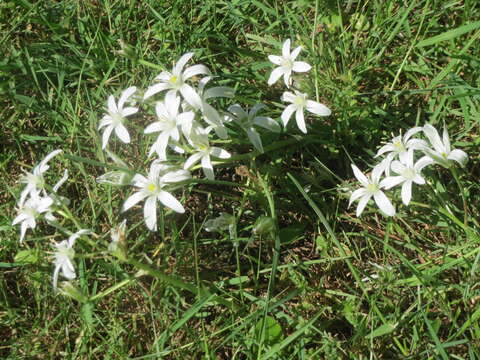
175,81
35,180
371,187
63,257
299,103
116,116
400,145
287,64
169,121
203,151
152,187
247,120
408,173
442,153
31,210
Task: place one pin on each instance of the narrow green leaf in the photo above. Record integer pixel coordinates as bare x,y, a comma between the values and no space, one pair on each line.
382,330
450,34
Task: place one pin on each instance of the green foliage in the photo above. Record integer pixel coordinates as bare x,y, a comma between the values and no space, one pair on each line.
291,272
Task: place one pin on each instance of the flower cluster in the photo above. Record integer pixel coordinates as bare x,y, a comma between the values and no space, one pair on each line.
399,157
39,201
299,101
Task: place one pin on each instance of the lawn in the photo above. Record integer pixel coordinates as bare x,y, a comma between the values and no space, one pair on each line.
265,258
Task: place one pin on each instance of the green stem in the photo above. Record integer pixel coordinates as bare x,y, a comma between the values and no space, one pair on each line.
462,192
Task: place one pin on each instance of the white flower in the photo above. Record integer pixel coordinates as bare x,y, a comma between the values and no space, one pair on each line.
174,81
64,255
409,173
116,117
399,146
371,187
247,120
151,189
299,103
35,181
286,64
30,211
168,123
442,153
199,140
210,114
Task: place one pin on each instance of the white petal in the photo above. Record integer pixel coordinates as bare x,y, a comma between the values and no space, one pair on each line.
154,127
286,77
362,203
391,181
181,63
133,200
411,132
459,156
106,120
106,135
385,148
68,270
129,111
219,153
193,159
195,70
286,49
125,95
383,203
275,75
176,176
317,108
267,123
446,140
295,53
122,133
72,238
150,213
154,89
359,175
432,134
277,60
422,162
301,66
61,181
397,167
288,96
55,276
378,170
356,195
406,192
207,167
300,120
112,106
191,96
168,200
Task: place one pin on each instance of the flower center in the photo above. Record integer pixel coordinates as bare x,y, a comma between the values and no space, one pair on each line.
398,146
152,187
174,80
409,174
117,118
300,101
287,63
372,188
444,155
65,252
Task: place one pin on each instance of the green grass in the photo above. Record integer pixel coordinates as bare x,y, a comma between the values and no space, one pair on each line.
293,293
